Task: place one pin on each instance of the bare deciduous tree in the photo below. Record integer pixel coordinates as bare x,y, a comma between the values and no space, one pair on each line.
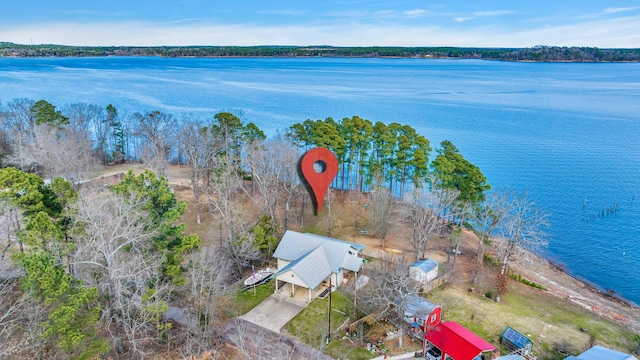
209,293
389,288
486,219
83,116
21,317
265,165
18,117
54,152
157,131
11,221
380,208
424,209
291,184
154,161
224,195
198,148
255,342
115,253
524,229
460,211
273,166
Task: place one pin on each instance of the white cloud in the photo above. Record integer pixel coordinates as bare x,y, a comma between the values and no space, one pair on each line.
416,12
477,14
623,32
285,12
619,10
492,13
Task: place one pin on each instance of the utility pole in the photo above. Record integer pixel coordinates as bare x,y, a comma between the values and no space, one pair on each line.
329,310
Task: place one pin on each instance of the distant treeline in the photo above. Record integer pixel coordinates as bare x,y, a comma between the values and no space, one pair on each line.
538,53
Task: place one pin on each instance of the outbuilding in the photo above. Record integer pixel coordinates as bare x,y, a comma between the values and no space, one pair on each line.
420,313
424,271
516,342
450,340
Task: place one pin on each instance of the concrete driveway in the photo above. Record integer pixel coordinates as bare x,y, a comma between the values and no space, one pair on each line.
275,311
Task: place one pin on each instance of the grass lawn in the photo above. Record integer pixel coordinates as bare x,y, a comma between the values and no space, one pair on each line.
550,322
311,326
244,301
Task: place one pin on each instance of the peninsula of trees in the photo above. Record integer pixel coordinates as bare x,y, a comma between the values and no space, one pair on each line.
537,53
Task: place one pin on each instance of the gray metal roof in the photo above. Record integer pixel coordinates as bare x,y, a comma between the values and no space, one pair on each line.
415,305
602,353
352,263
425,265
311,268
313,258
295,244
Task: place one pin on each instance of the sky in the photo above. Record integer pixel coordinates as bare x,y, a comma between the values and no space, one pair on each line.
460,23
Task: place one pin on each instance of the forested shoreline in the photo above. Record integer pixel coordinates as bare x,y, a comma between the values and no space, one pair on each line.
92,267
535,54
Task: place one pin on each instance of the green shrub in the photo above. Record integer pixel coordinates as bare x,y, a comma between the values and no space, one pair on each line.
490,262
489,294
520,279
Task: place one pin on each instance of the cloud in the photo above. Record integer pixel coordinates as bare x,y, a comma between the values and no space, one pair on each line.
289,12
619,32
75,12
619,10
477,14
492,13
416,13
379,14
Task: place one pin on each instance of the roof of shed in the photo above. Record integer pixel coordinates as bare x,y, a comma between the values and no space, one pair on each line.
515,337
425,265
458,341
418,306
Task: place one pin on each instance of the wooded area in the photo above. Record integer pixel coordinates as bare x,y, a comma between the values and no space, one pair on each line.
538,53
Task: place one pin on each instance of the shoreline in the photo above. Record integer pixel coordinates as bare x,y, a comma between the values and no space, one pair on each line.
560,283
556,278
614,296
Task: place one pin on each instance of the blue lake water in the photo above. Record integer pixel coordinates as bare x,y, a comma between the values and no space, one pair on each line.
567,134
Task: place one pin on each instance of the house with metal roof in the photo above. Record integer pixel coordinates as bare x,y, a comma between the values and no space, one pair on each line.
309,261
451,340
598,352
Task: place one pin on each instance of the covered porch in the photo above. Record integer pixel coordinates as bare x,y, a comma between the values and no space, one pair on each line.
299,290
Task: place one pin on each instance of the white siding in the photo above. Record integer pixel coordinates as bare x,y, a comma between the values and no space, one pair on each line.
290,277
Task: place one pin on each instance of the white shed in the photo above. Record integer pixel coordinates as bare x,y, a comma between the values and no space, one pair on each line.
424,271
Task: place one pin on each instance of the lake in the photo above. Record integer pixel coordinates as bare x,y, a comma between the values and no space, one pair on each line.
565,133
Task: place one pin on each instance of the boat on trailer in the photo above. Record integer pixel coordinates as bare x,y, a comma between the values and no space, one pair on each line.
258,277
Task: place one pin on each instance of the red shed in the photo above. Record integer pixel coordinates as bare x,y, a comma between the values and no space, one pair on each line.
421,313
452,341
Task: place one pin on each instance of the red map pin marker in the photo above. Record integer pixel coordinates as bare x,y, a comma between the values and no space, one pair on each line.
319,167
